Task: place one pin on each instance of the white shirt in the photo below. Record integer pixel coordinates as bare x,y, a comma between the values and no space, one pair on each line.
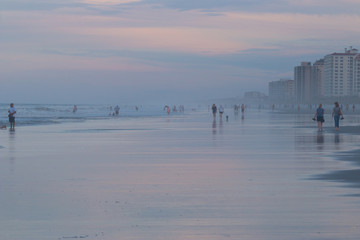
12,110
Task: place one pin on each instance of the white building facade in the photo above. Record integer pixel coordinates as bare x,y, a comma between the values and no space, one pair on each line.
342,74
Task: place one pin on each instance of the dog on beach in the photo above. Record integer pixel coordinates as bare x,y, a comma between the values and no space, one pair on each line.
3,127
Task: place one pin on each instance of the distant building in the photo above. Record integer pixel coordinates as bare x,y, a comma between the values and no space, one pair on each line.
302,78
342,74
309,81
317,80
282,90
254,96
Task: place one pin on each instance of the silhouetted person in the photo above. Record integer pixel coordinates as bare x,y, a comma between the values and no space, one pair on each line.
214,110
319,117
12,112
336,115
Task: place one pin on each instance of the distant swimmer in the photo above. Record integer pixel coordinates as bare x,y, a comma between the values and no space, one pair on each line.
319,117
136,108
214,110
353,107
12,112
75,109
117,109
221,111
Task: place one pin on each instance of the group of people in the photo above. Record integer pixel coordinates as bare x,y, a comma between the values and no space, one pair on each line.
215,110
336,114
319,114
221,110
181,108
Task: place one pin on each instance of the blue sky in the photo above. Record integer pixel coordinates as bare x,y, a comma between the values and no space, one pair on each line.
123,51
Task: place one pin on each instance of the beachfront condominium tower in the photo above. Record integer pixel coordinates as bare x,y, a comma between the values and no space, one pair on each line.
282,90
342,74
302,78
317,80
309,81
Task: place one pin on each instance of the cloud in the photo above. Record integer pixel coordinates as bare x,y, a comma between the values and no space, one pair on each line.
109,2
265,6
133,42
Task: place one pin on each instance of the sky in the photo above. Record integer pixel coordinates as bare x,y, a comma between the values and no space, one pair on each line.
164,51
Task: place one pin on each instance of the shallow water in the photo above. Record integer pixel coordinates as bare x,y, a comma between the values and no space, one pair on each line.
177,177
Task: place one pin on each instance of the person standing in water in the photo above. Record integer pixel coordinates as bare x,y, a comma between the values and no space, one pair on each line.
242,108
12,112
117,109
214,110
75,109
319,117
336,115
221,111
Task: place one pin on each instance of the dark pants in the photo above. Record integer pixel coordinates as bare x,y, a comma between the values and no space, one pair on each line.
336,119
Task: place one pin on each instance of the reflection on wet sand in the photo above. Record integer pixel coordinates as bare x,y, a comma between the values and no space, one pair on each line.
320,141
214,127
12,149
221,130
180,181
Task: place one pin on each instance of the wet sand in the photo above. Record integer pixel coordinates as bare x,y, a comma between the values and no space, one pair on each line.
184,177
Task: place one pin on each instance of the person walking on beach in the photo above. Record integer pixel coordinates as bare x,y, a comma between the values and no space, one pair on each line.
214,110
221,111
319,117
242,108
117,109
336,115
12,112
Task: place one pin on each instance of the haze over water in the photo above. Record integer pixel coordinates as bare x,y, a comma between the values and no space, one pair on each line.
177,177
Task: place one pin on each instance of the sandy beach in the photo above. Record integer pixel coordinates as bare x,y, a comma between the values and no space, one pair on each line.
187,177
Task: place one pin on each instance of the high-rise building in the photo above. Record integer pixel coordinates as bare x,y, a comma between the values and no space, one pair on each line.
357,75
317,80
342,74
282,90
302,78
309,81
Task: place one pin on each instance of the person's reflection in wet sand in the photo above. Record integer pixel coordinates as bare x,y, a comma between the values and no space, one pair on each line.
214,127
221,130
12,150
320,141
337,138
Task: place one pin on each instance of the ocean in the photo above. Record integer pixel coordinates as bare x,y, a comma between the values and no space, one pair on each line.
40,114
